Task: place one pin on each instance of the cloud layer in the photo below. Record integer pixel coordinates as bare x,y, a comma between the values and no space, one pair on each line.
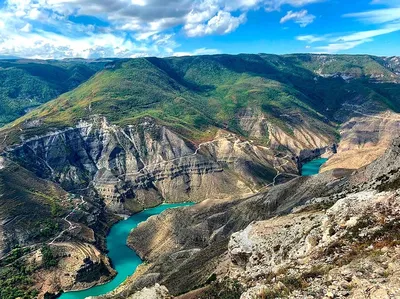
385,20
303,18
123,28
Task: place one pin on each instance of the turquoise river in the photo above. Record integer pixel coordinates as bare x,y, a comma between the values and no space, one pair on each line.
125,260
312,167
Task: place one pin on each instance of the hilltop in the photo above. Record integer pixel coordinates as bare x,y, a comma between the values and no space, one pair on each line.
26,84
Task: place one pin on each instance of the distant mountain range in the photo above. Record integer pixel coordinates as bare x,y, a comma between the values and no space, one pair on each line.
26,84
194,94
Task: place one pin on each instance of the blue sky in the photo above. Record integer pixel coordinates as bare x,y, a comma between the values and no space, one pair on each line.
135,28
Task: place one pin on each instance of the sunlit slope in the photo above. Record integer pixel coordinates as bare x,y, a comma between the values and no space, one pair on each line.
194,95
26,84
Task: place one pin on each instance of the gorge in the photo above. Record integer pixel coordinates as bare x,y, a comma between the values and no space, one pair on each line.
228,132
126,261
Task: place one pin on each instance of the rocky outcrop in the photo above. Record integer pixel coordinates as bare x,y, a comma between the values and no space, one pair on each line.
393,63
323,252
79,266
330,235
299,135
145,164
200,249
364,138
154,292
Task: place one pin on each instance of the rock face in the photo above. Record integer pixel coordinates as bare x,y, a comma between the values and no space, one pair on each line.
154,292
69,180
80,266
324,252
364,138
394,64
200,249
145,164
331,235
304,135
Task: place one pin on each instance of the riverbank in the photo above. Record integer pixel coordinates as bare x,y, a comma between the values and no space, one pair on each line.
124,260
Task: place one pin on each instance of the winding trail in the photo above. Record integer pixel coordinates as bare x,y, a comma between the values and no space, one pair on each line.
71,225
279,173
4,140
229,136
196,152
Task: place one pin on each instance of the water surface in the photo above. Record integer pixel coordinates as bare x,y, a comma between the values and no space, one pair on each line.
124,260
312,167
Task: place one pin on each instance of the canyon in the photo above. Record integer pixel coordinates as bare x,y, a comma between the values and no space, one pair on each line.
232,141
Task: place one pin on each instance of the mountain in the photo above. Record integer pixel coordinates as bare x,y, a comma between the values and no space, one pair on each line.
197,95
34,214
333,235
228,132
26,84
199,92
160,125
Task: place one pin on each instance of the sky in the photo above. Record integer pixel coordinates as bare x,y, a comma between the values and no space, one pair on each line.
56,29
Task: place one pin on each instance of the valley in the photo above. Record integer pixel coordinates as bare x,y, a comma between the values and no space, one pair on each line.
124,260
236,134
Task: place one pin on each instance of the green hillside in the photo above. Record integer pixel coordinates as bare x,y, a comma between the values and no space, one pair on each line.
197,94
25,84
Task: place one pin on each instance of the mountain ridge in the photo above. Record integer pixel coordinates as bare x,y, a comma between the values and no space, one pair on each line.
218,128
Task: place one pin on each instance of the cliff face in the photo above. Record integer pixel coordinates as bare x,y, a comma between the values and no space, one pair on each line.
350,250
200,250
96,167
364,138
301,133
36,212
79,266
332,235
144,164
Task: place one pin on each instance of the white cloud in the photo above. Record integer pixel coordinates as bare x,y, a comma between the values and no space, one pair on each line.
27,28
310,38
222,23
378,16
337,42
366,35
202,51
388,20
302,17
125,28
50,45
276,4
337,47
